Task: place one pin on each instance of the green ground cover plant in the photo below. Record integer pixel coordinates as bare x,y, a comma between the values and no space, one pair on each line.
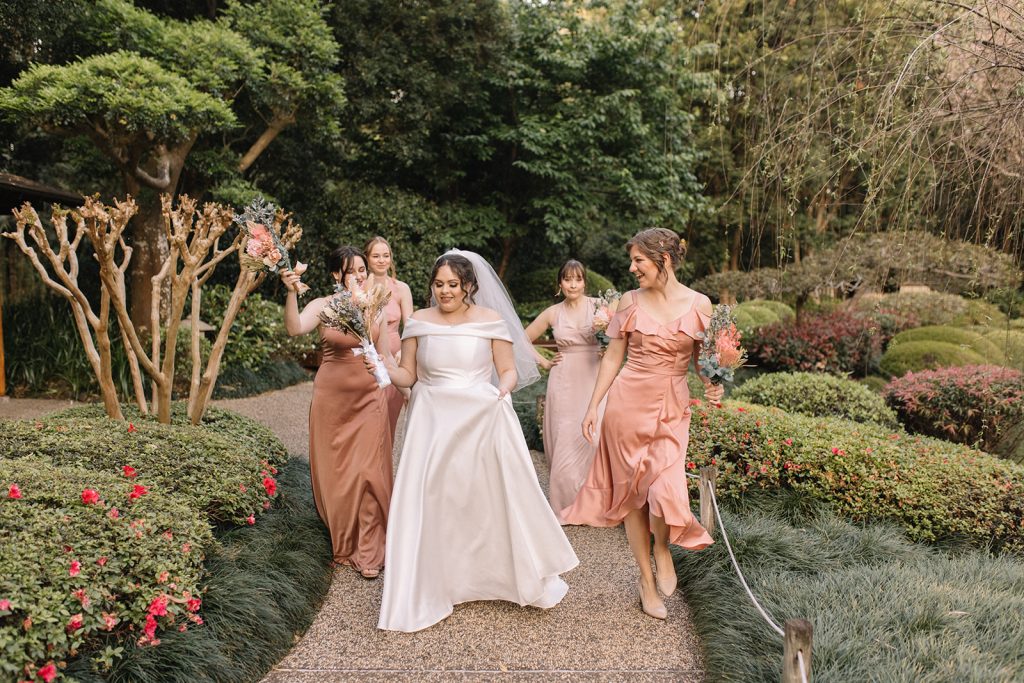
957,336
883,608
914,356
817,395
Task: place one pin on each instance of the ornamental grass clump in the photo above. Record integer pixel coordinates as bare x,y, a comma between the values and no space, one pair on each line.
88,559
934,489
817,395
976,405
221,475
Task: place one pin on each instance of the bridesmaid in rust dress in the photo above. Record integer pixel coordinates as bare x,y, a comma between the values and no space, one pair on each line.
570,382
382,269
639,473
349,441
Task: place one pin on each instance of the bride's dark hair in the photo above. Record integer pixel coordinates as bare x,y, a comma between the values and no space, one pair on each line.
463,270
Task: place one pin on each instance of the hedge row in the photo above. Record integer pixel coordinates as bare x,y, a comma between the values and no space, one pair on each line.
817,395
934,489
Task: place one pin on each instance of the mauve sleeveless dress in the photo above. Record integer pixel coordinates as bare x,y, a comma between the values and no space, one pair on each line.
641,456
393,315
570,384
350,453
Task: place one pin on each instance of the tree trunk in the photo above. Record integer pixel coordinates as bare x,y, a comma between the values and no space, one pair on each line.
278,124
507,246
105,375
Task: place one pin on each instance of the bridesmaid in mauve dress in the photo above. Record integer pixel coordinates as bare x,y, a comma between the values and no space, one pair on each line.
573,372
639,473
349,441
399,308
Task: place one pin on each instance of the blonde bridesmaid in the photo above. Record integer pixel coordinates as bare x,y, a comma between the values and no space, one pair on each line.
639,473
382,269
349,440
570,382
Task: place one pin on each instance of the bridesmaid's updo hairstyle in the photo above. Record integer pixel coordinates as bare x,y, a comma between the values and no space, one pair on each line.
377,239
655,243
343,260
570,267
463,270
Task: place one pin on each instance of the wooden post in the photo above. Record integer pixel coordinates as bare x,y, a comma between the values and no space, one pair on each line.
3,371
797,640
708,478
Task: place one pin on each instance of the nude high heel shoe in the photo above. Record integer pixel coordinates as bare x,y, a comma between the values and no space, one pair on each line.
655,608
666,580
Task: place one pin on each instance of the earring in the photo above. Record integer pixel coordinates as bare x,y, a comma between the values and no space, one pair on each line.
559,292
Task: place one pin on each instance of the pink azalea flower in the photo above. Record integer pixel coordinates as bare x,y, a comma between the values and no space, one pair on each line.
158,606
75,569
5,604
788,442
81,596
75,622
251,519
131,428
114,513
101,561
109,620
138,491
150,629
47,673
14,492
269,485
90,496
162,577
129,471
194,604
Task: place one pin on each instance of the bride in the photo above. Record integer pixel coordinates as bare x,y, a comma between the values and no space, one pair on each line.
468,519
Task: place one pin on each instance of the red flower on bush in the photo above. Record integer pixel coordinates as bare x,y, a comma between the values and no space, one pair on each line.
251,519
194,604
269,485
47,673
101,561
840,343
158,606
114,513
75,622
129,471
109,620
5,605
14,492
138,491
131,428
150,629
788,442
90,496
81,596
75,569
838,451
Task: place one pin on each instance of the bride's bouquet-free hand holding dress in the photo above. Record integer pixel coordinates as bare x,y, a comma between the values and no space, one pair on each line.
468,519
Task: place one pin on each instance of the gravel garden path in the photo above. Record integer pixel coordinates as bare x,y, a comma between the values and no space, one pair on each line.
597,633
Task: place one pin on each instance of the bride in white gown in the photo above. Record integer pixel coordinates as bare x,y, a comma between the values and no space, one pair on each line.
468,519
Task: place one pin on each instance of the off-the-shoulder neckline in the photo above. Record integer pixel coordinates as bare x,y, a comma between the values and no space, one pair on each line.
468,322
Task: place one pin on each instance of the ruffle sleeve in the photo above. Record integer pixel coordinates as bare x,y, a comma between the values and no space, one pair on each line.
631,318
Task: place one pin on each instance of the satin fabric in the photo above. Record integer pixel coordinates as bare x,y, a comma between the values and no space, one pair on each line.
641,456
350,453
468,517
570,384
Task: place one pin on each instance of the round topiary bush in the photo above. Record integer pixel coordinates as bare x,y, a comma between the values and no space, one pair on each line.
980,312
874,383
935,490
977,405
817,395
758,316
1010,343
957,336
926,355
781,310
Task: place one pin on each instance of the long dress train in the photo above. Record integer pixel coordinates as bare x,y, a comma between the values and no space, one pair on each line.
468,518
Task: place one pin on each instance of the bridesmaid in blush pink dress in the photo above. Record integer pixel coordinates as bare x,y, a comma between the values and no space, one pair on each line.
573,372
382,269
639,473
349,443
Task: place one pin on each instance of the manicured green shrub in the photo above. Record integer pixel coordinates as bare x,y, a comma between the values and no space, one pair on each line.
224,477
957,336
88,558
934,489
915,356
940,616
782,311
1010,343
921,308
761,315
980,312
817,395
974,405
874,383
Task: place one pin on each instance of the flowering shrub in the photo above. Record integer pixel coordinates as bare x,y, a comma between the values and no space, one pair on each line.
934,489
81,570
840,343
926,355
958,336
972,405
218,474
817,395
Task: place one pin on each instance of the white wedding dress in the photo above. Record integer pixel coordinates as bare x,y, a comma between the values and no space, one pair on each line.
468,519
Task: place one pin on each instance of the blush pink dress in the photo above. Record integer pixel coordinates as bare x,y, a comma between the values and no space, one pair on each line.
641,456
350,453
570,384
393,315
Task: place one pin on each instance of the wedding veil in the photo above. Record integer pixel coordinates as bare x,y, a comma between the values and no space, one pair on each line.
493,295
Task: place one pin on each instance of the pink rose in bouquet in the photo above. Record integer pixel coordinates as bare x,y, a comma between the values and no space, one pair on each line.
263,247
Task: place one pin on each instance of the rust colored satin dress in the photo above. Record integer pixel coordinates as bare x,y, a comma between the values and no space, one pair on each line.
393,314
641,456
350,453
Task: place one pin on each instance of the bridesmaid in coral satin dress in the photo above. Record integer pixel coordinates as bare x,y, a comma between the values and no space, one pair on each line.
639,473
573,372
349,442
382,269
